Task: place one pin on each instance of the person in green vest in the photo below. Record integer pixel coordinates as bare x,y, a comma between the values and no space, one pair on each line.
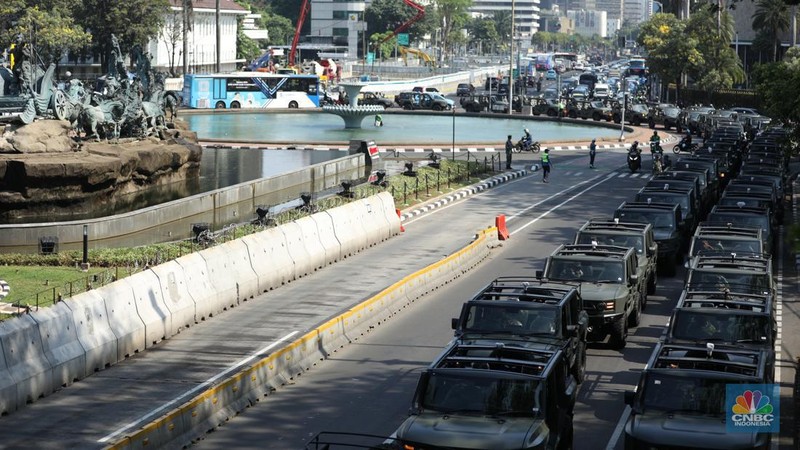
378,120
546,165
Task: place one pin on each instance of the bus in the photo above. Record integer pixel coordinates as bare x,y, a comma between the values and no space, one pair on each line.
636,67
250,90
545,61
569,59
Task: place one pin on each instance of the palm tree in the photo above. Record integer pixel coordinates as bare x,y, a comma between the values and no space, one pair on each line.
772,18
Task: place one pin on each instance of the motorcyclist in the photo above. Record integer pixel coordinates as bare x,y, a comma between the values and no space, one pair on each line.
686,142
527,139
655,143
634,148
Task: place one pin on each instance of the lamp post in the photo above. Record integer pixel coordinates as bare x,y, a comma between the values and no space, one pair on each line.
453,157
511,63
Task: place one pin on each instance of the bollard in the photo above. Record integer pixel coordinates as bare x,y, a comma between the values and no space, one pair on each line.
438,186
427,186
400,215
405,192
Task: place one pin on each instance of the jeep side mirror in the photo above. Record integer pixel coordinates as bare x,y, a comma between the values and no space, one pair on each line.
573,329
634,278
629,397
652,249
539,274
454,323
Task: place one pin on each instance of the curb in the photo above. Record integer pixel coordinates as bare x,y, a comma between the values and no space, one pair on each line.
465,192
4,289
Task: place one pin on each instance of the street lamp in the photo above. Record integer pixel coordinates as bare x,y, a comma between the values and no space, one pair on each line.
454,133
511,63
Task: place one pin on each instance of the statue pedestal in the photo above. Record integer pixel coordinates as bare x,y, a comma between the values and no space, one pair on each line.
353,114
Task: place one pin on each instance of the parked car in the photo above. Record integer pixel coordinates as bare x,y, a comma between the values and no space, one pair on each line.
424,89
375,98
464,89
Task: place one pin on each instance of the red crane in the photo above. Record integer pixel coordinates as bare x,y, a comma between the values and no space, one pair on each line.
420,14
303,11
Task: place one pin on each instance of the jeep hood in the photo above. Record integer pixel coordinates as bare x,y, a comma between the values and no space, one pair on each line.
601,292
687,430
662,234
473,432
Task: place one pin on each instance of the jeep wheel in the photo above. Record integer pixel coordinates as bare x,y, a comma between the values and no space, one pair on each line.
567,436
407,106
437,107
596,117
579,371
573,115
551,113
636,315
651,284
619,333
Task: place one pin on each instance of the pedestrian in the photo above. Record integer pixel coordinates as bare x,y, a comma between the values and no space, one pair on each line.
378,120
592,152
546,165
509,149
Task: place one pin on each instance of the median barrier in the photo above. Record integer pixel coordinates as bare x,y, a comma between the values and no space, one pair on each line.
94,331
270,259
8,388
303,265
389,212
123,319
371,219
176,296
230,272
198,283
312,242
150,306
333,249
61,345
348,229
27,364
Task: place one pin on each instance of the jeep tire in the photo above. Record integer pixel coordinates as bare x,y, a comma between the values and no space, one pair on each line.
619,333
651,283
579,371
636,315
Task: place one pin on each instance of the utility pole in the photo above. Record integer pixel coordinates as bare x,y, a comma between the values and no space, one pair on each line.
511,65
187,5
218,66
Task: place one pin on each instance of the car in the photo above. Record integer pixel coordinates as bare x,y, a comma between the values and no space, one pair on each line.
464,89
750,217
550,75
612,291
668,228
375,98
424,89
527,309
727,272
546,106
639,236
581,92
417,100
586,109
669,116
637,113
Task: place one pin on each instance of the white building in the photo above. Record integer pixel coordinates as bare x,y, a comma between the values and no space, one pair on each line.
612,26
252,31
589,23
526,15
636,11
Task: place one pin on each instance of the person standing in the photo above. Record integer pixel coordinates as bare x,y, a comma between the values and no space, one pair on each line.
509,149
592,152
546,166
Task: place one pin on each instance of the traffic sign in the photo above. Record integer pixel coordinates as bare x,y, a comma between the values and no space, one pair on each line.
402,38
370,57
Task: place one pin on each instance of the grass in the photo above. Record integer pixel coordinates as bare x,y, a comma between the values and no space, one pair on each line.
47,281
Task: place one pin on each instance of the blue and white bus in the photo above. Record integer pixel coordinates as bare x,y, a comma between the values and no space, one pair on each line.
250,90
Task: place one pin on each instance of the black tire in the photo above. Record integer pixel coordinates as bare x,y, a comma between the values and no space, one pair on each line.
437,107
572,115
676,149
652,283
636,315
535,147
407,107
619,333
633,170
235,105
293,104
579,371
551,113
596,117
220,105
651,124
617,118
516,148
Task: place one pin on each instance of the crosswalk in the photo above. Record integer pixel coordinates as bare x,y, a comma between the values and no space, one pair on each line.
579,173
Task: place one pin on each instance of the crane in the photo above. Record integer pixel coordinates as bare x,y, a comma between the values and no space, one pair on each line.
303,11
427,60
420,14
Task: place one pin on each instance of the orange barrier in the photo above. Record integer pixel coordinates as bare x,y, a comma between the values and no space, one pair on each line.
400,215
502,231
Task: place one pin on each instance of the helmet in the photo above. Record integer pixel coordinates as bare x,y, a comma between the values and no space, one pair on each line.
526,131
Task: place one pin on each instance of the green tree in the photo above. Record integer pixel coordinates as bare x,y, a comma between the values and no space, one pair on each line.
721,67
670,51
281,29
483,33
772,18
132,21
778,85
453,16
388,15
246,48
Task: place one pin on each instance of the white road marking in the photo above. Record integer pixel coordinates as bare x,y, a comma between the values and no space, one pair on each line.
612,443
183,397
775,443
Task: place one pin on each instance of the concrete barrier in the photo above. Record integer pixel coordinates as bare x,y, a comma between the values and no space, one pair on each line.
175,292
348,229
94,331
8,388
371,219
303,264
150,306
270,258
327,236
389,212
61,345
199,286
230,272
312,242
123,319
25,357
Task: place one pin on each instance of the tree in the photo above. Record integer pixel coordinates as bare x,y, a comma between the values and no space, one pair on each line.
246,48
280,28
671,52
387,15
771,17
778,85
721,67
453,16
483,33
172,34
132,22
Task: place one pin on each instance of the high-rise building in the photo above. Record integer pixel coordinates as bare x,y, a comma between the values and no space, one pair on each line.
526,14
589,23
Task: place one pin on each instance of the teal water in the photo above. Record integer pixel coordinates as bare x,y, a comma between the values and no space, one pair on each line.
324,128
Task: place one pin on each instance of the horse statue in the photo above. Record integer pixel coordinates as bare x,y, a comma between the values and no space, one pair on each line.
99,118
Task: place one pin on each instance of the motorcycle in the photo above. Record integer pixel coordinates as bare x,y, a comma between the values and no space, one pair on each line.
683,146
524,145
634,160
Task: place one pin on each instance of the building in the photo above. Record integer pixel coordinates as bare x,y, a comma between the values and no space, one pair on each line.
526,15
613,8
252,31
589,23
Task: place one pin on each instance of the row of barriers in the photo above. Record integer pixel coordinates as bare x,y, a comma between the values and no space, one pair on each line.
216,405
49,349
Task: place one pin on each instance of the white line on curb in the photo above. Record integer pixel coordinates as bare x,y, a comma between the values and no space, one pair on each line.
612,443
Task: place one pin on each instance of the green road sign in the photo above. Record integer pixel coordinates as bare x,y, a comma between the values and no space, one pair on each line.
402,38
370,57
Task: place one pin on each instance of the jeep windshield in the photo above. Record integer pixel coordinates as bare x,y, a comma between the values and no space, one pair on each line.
716,280
682,394
659,219
741,220
596,271
486,394
695,325
637,242
660,197
504,318
724,244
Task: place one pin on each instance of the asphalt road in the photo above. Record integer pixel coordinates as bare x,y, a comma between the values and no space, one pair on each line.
367,387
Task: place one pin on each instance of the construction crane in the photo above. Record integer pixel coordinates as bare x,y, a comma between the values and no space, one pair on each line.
304,10
420,14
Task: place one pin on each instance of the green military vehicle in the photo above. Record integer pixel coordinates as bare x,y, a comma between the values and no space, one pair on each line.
586,109
613,294
668,228
639,236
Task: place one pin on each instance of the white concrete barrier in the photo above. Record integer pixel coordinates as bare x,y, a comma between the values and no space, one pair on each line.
123,319
61,345
150,306
389,210
270,259
29,367
312,242
94,331
327,236
348,229
303,265
199,286
8,388
375,225
231,273
176,296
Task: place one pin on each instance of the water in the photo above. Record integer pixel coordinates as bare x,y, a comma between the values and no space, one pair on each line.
323,128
